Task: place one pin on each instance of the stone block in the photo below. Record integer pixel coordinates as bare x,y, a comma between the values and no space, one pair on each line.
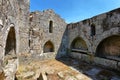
118,66
87,58
106,62
75,55
36,47
28,75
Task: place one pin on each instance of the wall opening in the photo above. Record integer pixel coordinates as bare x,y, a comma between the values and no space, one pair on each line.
11,42
48,47
50,26
93,30
79,45
109,47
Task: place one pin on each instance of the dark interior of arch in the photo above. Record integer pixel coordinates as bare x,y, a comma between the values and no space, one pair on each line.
11,42
109,47
48,47
79,44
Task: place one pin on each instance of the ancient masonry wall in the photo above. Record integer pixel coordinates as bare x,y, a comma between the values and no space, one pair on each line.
45,35
14,13
40,34
14,30
102,41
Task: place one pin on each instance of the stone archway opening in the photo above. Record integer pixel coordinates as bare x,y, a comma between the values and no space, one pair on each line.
79,45
48,47
109,47
10,47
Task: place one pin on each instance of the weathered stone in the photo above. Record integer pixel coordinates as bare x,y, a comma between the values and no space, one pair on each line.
50,72
106,62
115,78
75,55
10,69
42,76
81,77
105,40
104,74
46,36
118,65
28,75
70,78
61,74
41,33
93,71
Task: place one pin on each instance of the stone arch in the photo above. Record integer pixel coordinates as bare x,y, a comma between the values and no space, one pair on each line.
79,45
105,34
50,26
48,47
109,46
10,47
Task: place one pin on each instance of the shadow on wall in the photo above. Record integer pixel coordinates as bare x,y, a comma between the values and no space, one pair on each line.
109,46
62,51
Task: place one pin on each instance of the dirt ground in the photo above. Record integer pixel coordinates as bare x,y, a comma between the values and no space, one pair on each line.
63,69
53,69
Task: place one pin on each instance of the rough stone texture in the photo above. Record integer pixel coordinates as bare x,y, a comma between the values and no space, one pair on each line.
42,76
10,69
98,36
39,32
105,25
75,55
28,75
13,14
103,43
118,65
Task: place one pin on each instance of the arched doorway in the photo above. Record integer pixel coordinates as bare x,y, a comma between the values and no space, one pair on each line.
79,45
109,47
48,47
10,47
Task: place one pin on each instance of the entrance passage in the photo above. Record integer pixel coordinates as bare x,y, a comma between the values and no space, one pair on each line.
11,42
109,47
48,47
79,45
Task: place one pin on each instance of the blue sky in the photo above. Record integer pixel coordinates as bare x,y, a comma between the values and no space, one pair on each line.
75,10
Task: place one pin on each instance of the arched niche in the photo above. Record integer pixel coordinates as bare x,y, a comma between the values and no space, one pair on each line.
109,47
79,45
10,47
48,47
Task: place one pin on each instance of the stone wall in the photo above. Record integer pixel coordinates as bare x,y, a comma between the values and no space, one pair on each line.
40,33
101,34
14,26
14,13
106,25
23,25
45,35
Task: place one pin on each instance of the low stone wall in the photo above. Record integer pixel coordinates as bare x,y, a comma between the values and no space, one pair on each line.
27,57
110,64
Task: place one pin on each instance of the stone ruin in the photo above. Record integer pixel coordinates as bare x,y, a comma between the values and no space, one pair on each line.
44,35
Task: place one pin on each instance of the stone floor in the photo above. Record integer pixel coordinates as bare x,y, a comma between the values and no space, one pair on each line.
92,71
63,69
